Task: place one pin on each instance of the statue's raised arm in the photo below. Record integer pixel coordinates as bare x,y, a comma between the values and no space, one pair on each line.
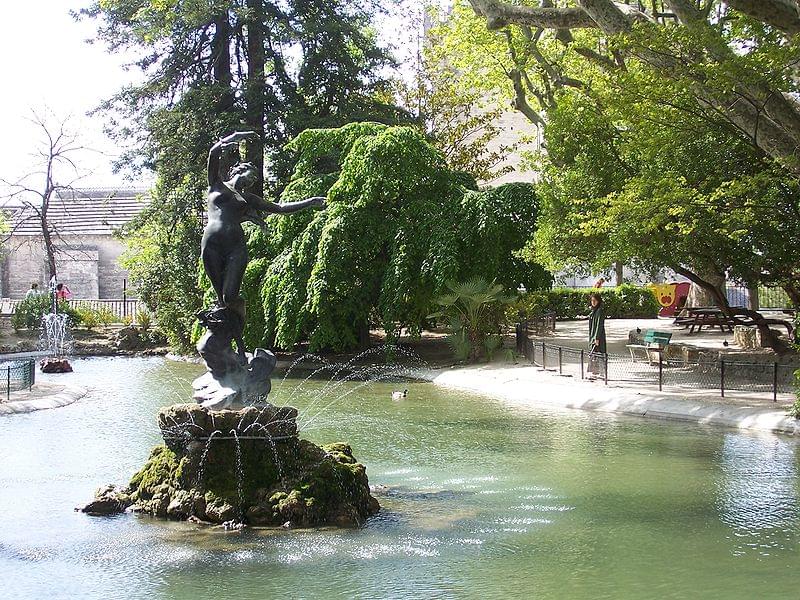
215,174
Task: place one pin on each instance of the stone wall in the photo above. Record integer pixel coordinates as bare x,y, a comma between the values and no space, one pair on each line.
87,264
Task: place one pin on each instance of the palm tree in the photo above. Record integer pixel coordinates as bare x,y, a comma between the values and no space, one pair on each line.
473,310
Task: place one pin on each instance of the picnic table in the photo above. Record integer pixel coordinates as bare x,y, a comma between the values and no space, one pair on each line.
706,316
699,317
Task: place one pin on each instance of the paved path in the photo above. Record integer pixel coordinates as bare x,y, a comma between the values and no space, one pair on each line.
43,396
575,334
528,385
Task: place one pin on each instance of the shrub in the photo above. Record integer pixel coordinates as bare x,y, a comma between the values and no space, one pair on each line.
474,312
106,316
89,317
29,312
622,302
144,318
795,408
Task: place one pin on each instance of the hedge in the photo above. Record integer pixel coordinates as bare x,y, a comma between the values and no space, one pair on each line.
622,302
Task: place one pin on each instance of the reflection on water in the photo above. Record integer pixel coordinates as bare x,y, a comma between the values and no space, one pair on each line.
759,495
479,500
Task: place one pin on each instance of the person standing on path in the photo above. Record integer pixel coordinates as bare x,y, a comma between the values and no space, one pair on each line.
597,332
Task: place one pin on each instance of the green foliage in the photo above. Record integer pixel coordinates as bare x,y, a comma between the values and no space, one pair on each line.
622,302
325,70
644,163
29,312
399,224
162,259
144,319
92,317
106,316
493,225
474,312
794,410
461,121
89,317
654,187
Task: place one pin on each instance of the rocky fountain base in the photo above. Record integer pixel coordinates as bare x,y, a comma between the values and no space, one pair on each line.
55,365
243,466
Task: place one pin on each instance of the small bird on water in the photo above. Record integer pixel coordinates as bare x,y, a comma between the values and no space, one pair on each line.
399,395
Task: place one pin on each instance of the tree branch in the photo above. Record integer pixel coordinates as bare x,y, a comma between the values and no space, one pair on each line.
500,14
781,14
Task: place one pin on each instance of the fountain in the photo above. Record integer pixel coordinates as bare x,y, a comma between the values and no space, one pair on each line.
56,338
232,457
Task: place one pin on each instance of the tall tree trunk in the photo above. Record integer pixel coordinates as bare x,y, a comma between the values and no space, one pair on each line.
363,335
708,293
618,273
254,89
752,297
221,52
793,292
49,248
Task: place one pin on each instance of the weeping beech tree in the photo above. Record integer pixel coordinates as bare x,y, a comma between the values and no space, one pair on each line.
399,225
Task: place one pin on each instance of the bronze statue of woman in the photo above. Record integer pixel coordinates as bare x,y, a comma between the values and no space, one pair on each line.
224,246
231,377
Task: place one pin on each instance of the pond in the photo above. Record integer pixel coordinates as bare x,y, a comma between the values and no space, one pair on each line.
479,500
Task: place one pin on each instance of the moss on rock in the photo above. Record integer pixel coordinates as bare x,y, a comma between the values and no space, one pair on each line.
264,482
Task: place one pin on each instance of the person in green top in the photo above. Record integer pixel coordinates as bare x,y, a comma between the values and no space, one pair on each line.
597,331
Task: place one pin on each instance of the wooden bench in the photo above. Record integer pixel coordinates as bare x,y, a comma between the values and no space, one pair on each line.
654,343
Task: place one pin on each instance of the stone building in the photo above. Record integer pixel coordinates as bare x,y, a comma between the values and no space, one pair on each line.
83,223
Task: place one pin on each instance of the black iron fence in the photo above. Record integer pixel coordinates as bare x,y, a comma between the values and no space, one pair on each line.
653,369
17,375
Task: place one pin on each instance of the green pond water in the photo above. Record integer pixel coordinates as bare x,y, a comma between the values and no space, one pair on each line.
480,500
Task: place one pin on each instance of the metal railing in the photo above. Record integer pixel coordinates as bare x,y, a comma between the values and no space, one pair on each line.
120,307
654,369
768,297
17,375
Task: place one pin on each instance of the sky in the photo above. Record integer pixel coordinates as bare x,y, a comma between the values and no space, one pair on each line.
49,68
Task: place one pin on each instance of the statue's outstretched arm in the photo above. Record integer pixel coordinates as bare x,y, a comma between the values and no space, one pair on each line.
286,207
215,153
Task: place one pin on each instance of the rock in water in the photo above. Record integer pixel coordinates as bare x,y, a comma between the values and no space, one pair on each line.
245,466
55,365
107,501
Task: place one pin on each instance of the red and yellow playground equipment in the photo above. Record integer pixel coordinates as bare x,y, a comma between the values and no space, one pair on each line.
671,296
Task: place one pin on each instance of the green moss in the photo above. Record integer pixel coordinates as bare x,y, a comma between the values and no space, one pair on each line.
163,467
258,464
316,486
340,451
